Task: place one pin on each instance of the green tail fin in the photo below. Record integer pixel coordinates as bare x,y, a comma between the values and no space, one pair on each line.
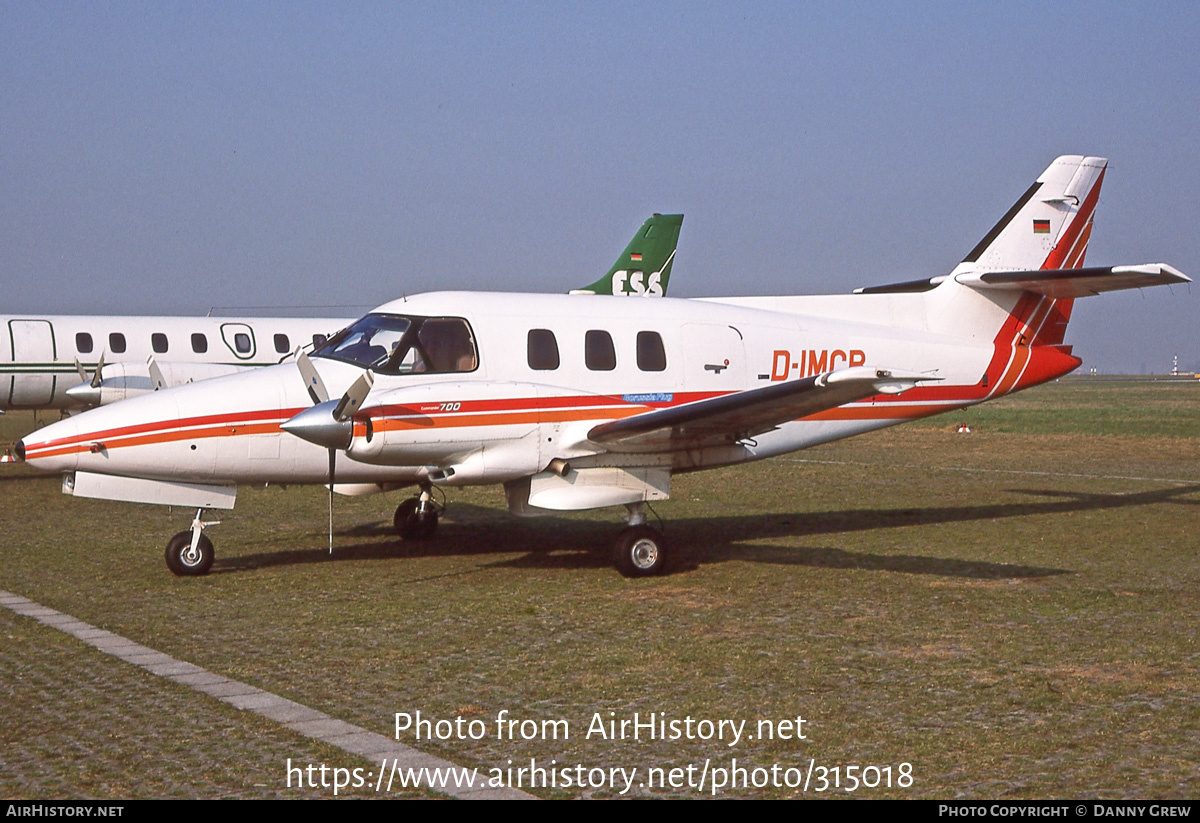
644,268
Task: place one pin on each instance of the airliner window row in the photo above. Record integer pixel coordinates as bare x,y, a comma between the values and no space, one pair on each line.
242,343
599,353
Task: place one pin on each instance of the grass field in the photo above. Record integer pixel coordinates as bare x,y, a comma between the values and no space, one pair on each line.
1013,612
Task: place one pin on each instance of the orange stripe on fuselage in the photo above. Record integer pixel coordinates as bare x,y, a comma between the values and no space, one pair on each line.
193,423
491,412
110,440
514,418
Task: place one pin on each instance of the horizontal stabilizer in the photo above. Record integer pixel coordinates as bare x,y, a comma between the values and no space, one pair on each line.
907,287
1065,283
734,417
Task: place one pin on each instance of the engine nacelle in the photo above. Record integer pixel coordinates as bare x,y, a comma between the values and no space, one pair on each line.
464,432
122,380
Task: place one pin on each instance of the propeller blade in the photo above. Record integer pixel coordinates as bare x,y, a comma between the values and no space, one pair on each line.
99,375
332,466
354,397
156,375
84,377
312,379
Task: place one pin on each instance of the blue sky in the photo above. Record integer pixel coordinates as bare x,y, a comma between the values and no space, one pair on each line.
169,157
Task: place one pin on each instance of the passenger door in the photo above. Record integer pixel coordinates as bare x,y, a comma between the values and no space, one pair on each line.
33,358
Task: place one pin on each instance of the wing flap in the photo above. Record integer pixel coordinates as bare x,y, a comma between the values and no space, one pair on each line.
1064,283
733,417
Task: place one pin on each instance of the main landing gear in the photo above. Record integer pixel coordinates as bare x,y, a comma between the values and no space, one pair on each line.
417,517
190,552
640,550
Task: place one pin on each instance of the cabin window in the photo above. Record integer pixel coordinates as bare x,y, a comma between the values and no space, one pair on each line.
116,343
241,343
282,344
598,351
448,345
83,343
199,343
541,350
650,353
158,342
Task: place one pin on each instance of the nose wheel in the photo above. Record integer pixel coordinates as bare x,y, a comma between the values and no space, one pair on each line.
190,553
186,560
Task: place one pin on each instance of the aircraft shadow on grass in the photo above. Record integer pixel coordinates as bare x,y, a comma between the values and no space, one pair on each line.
564,543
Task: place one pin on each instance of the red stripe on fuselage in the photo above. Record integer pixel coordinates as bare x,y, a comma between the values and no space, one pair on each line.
1059,254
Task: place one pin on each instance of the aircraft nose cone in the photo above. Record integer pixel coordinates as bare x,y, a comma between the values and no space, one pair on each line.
21,450
85,394
317,425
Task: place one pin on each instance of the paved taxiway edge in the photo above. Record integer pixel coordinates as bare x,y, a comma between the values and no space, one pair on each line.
291,715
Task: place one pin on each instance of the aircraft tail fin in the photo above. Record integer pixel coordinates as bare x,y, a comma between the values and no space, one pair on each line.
1026,274
1049,226
644,268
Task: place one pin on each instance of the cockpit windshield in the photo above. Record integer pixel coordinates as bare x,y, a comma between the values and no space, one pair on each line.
394,344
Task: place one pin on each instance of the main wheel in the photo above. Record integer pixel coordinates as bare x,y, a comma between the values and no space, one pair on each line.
184,562
640,552
412,525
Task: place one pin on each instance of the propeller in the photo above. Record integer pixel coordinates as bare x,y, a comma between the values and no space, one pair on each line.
88,391
328,423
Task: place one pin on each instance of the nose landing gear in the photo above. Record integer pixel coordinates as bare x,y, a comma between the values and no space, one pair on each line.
190,553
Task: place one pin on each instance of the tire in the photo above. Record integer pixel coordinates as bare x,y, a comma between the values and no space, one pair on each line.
412,526
640,552
179,561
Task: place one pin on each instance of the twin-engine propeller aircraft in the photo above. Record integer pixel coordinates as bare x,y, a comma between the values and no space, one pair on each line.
580,403
72,362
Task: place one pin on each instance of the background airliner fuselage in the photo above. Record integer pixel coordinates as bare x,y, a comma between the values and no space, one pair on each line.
38,352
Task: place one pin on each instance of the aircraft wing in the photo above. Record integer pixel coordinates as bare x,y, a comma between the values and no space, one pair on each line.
1061,283
733,417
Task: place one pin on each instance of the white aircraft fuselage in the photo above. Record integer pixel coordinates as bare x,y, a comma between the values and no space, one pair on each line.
579,402
504,420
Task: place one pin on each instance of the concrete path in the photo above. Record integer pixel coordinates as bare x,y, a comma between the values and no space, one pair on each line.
392,756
